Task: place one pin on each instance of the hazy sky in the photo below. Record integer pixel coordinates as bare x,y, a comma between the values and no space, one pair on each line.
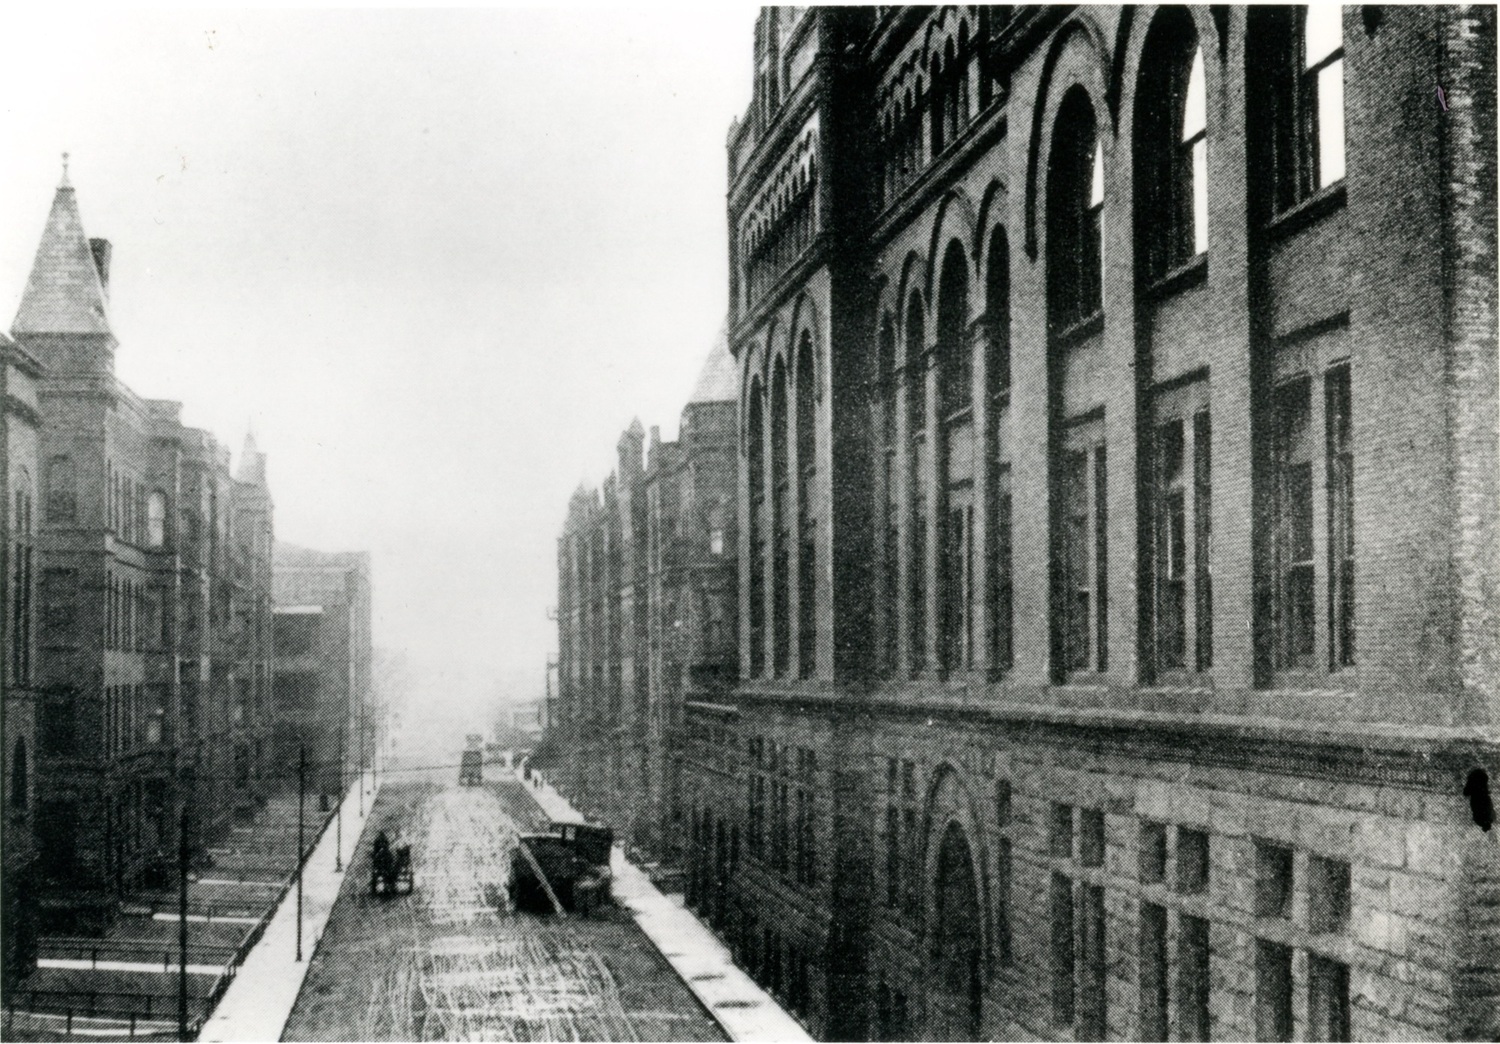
438,259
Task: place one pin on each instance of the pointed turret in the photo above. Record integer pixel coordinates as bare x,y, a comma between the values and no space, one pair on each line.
252,467
64,313
718,381
65,293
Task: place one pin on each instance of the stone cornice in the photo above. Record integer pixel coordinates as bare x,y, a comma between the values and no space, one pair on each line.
1428,757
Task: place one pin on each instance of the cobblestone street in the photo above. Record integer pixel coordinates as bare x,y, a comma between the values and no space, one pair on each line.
454,962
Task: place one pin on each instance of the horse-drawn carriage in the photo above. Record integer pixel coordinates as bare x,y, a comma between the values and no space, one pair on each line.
390,868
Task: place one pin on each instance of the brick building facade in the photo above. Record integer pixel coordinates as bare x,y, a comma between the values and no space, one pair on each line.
20,373
324,696
1118,557
646,596
151,583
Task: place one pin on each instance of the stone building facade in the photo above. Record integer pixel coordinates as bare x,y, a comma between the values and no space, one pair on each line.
646,596
324,696
152,626
20,373
1118,555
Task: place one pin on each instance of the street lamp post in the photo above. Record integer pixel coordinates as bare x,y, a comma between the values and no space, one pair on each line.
183,854
301,812
338,851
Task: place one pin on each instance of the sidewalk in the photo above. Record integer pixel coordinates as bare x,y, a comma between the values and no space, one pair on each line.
743,1009
257,1003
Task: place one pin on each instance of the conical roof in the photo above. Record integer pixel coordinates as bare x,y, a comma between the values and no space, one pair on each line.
719,380
252,462
64,293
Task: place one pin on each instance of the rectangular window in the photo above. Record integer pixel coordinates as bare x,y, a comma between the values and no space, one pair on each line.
1203,591
1153,853
1322,97
1273,991
1327,999
1294,533
1060,842
1340,450
1153,972
1061,910
892,856
1193,982
1171,546
1192,861
1091,837
59,608
1004,654
1328,894
1273,880
1002,901
1084,553
1092,992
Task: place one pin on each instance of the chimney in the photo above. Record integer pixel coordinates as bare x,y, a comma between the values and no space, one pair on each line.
100,248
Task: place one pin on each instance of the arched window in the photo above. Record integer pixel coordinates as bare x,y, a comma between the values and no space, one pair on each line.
62,490
807,466
890,508
781,524
955,361
956,510
1171,146
997,375
1075,205
156,519
916,408
755,458
20,778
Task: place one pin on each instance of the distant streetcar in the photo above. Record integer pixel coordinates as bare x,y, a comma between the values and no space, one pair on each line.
471,769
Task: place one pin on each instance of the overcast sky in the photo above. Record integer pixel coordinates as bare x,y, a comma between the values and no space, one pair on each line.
437,259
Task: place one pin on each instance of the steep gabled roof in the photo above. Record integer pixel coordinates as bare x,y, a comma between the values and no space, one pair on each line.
64,293
719,380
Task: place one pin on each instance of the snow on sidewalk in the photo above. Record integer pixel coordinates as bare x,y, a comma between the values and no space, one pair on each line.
260,999
742,1008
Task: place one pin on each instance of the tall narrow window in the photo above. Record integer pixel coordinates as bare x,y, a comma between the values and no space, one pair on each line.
890,509
1083,553
20,779
1193,155
1203,589
1075,204
807,526
916,406
1153,971
156,519
62,490
1061,916
1171,146
1298,110
956,386
1171,546
1092,986
1193,981
997,376
1322,96
1294,531
755,457
1340,519
781,527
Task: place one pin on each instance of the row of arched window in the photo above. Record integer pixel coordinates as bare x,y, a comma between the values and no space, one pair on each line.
782,457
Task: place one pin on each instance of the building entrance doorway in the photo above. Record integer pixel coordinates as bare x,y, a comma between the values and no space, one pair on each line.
956,999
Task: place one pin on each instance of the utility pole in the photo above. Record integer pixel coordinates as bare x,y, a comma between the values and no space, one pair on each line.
338,795
361,760
183,855
301,812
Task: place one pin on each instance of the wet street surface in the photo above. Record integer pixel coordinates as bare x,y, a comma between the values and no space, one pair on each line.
453,961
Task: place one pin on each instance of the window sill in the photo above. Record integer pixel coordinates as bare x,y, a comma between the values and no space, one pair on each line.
1076,330
1308,212
1185,276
